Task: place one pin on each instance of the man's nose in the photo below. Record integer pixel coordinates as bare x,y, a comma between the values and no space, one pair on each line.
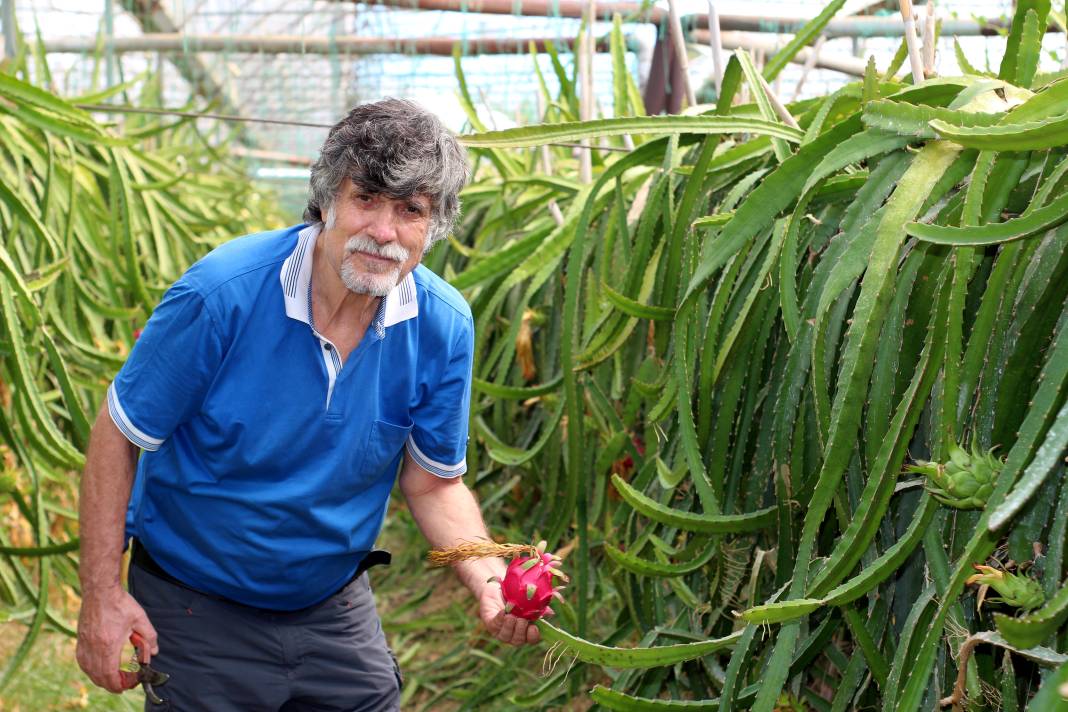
383,228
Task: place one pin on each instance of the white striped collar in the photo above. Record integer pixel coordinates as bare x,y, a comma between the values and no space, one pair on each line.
399,305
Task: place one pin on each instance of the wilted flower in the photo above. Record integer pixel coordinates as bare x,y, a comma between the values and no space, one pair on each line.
1019,591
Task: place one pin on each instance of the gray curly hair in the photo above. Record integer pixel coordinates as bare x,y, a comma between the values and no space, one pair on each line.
399,149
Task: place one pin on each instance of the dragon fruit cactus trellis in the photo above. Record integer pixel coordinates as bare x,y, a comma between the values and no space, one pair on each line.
783,389
94,224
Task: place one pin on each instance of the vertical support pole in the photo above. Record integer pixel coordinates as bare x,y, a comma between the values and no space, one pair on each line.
810,62
109,46
717,47
546,159
7,16
776,103
678,44
910,40
929,40
584,56
337,27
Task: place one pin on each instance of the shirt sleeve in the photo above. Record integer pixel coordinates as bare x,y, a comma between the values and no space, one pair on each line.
167,374
438,442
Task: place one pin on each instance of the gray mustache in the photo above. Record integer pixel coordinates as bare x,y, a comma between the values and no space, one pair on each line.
362,243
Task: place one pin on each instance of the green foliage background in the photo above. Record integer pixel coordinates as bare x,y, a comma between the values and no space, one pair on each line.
739,334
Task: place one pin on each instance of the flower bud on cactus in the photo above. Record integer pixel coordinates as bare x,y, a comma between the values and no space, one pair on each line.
1020,591
528,585
965,481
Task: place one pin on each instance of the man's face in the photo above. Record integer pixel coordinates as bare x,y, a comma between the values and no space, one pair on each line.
373,241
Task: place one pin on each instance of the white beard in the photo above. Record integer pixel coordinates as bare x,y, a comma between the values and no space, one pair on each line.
374,283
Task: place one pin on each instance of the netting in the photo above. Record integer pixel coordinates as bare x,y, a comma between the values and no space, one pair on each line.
228,51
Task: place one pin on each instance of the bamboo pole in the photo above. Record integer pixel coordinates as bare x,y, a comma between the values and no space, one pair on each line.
717,46
910,40
929,40
777,104
678,44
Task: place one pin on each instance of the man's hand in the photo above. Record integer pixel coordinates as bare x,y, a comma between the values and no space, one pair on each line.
504,626
107,618
447,514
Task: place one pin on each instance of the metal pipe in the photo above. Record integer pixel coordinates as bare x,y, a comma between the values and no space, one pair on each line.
734,40
860,26
296,44
531,8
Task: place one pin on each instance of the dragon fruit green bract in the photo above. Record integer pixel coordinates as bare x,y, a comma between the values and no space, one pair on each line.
528,586
965,481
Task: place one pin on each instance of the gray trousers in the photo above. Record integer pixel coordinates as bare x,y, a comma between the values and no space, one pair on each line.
224,657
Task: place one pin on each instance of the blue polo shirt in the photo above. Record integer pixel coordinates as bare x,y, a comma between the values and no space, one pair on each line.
268,465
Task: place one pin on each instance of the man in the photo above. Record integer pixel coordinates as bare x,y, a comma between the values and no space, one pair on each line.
275,391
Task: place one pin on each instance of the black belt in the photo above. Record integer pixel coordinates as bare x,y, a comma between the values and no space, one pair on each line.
140,557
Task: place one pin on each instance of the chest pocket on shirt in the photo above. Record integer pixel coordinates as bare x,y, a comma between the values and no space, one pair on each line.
385,442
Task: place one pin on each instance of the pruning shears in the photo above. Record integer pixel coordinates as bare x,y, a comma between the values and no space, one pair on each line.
147,676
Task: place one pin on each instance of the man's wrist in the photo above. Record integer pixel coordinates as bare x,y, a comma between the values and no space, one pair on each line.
475,574
101,589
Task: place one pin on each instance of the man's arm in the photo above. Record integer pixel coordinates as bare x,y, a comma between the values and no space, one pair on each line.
108,614
447,514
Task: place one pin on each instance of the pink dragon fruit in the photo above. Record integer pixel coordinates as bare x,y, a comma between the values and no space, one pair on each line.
528,584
